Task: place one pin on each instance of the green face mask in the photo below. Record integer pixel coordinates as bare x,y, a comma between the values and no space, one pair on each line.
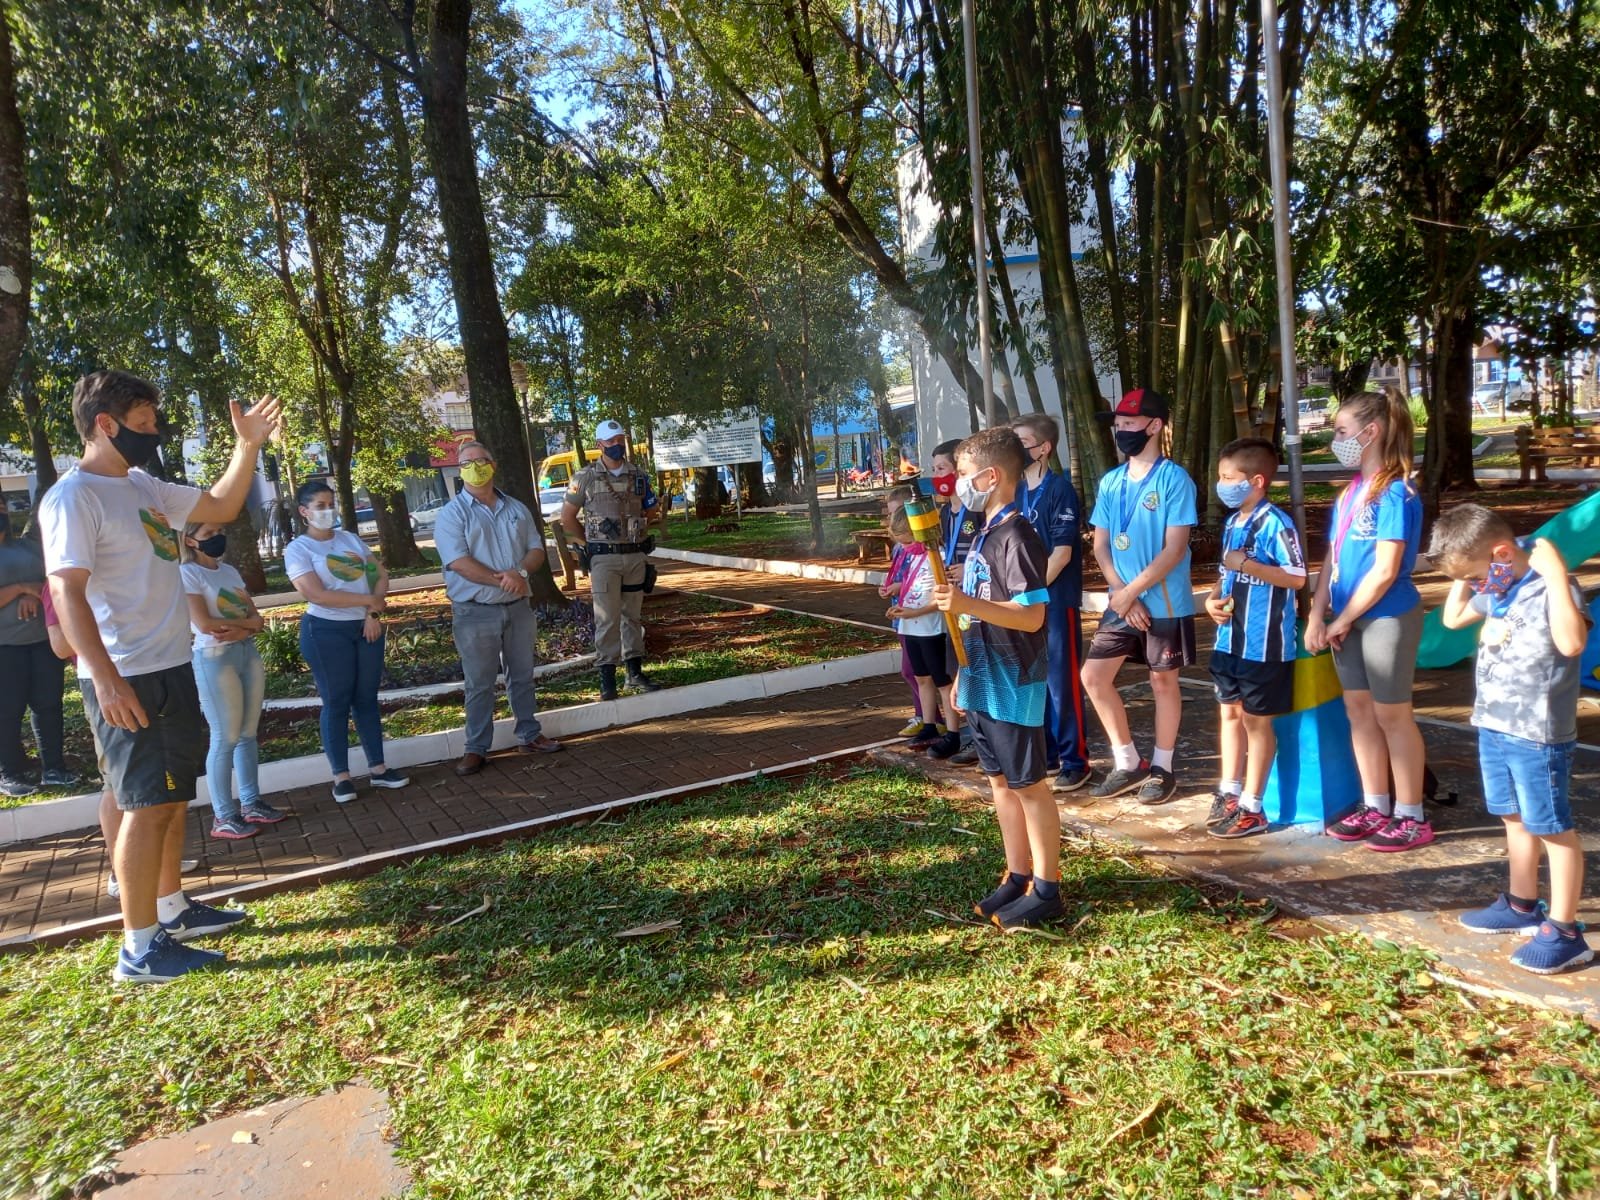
477,473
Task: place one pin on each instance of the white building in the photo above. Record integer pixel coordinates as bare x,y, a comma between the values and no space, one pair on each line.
942,410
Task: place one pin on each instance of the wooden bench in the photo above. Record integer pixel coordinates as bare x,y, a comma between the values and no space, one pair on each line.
872,544
1537,447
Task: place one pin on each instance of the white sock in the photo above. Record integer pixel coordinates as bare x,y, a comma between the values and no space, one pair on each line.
1377,800
1230,787
1414,811
169,907
1126,757
1161,758
1250,803
138,941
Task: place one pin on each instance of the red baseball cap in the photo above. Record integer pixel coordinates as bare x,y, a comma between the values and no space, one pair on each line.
1141,402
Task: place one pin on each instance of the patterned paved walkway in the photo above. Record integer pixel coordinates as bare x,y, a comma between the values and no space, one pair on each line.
60,881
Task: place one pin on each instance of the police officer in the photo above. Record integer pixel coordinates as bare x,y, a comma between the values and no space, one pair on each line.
618,504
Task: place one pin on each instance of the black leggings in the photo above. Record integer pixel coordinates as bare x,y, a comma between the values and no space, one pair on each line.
33,678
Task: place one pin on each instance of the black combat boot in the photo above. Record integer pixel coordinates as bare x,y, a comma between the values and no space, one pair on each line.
637,679
608,682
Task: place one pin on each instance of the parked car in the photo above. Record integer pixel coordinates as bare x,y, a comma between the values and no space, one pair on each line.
424,518
366,522
550,502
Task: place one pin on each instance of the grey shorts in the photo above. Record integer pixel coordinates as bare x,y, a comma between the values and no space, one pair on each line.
160,763
1380,656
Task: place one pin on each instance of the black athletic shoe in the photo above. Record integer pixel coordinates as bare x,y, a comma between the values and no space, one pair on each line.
1223,806
1120,781
1071,779
1028,912
1008,892
945,746
967,756
927,737
1159,787
1243,824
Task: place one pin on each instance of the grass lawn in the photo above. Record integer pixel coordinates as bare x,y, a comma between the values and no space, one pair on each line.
770,535
816,1019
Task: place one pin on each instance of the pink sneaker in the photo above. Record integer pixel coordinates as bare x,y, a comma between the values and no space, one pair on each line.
1362,823
1402,833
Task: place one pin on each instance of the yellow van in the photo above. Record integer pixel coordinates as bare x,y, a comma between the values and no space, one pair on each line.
557,470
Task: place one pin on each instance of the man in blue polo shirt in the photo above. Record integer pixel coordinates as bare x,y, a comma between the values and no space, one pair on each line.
487,542
1142,516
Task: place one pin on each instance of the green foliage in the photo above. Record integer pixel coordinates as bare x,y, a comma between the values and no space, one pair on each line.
279,644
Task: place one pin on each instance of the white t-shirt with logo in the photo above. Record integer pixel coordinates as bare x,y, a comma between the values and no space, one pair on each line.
343,563
226,596
124,530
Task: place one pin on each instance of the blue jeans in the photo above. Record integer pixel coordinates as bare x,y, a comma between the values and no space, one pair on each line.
1527,780
231,681
488,635
347,669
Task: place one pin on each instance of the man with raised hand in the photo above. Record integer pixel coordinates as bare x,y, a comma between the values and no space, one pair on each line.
111,541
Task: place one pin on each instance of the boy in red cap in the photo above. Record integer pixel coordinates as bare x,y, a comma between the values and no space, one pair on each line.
1142,516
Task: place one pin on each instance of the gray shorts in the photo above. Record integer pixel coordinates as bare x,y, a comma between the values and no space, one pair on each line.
1380,656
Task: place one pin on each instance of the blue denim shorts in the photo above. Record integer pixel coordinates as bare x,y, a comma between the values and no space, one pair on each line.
1527,780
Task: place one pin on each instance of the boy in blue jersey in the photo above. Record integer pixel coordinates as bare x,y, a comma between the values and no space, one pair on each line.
1000,607
1252,662
1050,502
1142,516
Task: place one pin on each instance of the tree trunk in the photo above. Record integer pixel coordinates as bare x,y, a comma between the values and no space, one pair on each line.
706,502
16,254
1447,449
485,344
782,450
395,541
755,487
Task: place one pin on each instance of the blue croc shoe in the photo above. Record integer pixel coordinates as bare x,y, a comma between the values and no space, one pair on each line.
1550,952
1500,917
201,920
163,962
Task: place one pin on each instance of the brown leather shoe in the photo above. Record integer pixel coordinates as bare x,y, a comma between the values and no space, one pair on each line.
541,745
470,763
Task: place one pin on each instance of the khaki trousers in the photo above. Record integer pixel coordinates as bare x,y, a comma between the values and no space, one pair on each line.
617,584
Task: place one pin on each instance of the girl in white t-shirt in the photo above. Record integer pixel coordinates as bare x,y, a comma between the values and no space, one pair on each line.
341,635
231,680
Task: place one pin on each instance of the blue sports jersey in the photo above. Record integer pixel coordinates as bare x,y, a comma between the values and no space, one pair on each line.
1143,510
1006,668
1263,624
1357,527
957,527
1053,511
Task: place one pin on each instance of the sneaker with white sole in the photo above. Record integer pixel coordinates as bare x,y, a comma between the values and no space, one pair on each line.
13,786
1402,833
57,778
1224,805
389,778
165,960
233,829
1550,952
1362,823
1502,917
344,790
1120,780
202,920
912,728
1158,787
259,812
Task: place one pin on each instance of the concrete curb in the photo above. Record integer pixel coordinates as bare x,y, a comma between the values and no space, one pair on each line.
426,690
397,587
772,566
51,817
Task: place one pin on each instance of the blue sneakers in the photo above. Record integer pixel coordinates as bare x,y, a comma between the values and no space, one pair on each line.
163,962
1551,952
201,920
1500,917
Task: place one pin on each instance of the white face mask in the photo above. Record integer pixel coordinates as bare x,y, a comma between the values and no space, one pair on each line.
1347,450
321,518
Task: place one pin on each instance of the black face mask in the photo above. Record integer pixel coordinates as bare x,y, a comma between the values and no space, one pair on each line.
1131,441
213,546
136,448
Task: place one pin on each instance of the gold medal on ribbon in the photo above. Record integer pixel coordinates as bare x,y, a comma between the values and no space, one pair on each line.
1495,631
1123,541
964,622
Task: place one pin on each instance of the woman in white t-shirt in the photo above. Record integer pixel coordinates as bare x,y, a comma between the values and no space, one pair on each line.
231,680
341,635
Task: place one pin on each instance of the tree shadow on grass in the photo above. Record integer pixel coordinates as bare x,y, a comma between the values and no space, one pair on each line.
772,883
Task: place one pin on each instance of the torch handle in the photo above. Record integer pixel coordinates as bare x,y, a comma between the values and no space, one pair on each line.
940,577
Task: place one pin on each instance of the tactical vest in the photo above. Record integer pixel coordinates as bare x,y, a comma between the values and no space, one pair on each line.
613,505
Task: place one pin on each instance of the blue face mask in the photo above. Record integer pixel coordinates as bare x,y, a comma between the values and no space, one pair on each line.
1498,582
615,453
1233,495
